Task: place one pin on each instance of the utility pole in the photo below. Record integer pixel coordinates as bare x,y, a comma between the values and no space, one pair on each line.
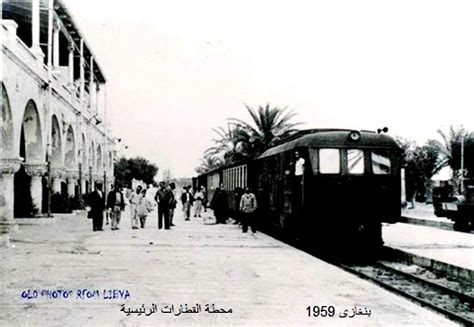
50,94
106,141
462,163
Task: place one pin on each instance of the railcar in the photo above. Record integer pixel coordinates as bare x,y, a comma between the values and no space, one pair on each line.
349,186
232,179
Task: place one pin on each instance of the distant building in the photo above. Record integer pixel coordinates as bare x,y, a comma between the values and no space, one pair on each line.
53,120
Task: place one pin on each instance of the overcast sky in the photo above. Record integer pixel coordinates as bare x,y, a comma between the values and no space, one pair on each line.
176,69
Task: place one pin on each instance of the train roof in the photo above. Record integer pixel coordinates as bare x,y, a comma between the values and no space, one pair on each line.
235,164
332,138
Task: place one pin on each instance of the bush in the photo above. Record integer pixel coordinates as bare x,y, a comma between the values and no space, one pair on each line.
65,204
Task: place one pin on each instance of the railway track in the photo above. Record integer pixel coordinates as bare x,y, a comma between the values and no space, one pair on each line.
449,300
445,295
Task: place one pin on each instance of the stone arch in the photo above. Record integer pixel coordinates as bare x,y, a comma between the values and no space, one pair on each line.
56,143
31,139
7,126
70,152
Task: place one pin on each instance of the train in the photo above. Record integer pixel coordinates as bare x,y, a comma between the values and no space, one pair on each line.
350,185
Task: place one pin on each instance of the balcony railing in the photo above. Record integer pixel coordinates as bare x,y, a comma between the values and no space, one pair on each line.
35,62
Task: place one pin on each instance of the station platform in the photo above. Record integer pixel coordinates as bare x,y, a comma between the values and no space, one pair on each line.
454,248
423,214
252,280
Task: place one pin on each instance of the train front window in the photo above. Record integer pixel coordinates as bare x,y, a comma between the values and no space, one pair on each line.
381,162
355,161
329,161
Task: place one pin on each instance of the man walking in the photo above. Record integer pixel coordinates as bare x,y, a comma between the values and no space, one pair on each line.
248,205
199,198
163,198
143,209
115,205
173,202
187,200
96,202
134,201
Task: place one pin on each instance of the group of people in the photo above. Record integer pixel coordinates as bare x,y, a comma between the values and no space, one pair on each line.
165,199
245,208
141,206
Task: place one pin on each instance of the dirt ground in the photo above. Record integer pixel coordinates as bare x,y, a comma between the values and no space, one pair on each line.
197,263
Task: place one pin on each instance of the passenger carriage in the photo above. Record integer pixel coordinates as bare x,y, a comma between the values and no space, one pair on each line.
350,185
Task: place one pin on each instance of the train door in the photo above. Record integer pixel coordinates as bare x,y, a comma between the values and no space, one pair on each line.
299,162
287,188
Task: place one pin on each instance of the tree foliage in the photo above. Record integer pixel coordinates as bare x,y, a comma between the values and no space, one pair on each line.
208,163
420,163
450,147
240,140
269,125
139,168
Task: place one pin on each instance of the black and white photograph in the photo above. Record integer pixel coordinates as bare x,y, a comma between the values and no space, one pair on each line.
237,163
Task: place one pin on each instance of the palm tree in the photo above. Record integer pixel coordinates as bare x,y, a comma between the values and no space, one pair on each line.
230,146
269,125
208,163
450,152
448,149
240,140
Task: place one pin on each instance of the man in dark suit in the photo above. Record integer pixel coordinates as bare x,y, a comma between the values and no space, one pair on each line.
163,197
220,205
187,200
97,204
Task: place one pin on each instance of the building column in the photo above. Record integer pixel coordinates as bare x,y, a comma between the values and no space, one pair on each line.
97,94
81,71
56,46
56,185
56,177
36,171
35,28
71,177
71,187
92,105
8,167
85,178
91,178
83,186
37,191
71,63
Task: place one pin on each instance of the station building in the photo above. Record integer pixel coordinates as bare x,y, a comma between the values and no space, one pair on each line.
54,136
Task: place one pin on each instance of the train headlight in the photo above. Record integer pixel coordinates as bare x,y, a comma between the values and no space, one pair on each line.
354,136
